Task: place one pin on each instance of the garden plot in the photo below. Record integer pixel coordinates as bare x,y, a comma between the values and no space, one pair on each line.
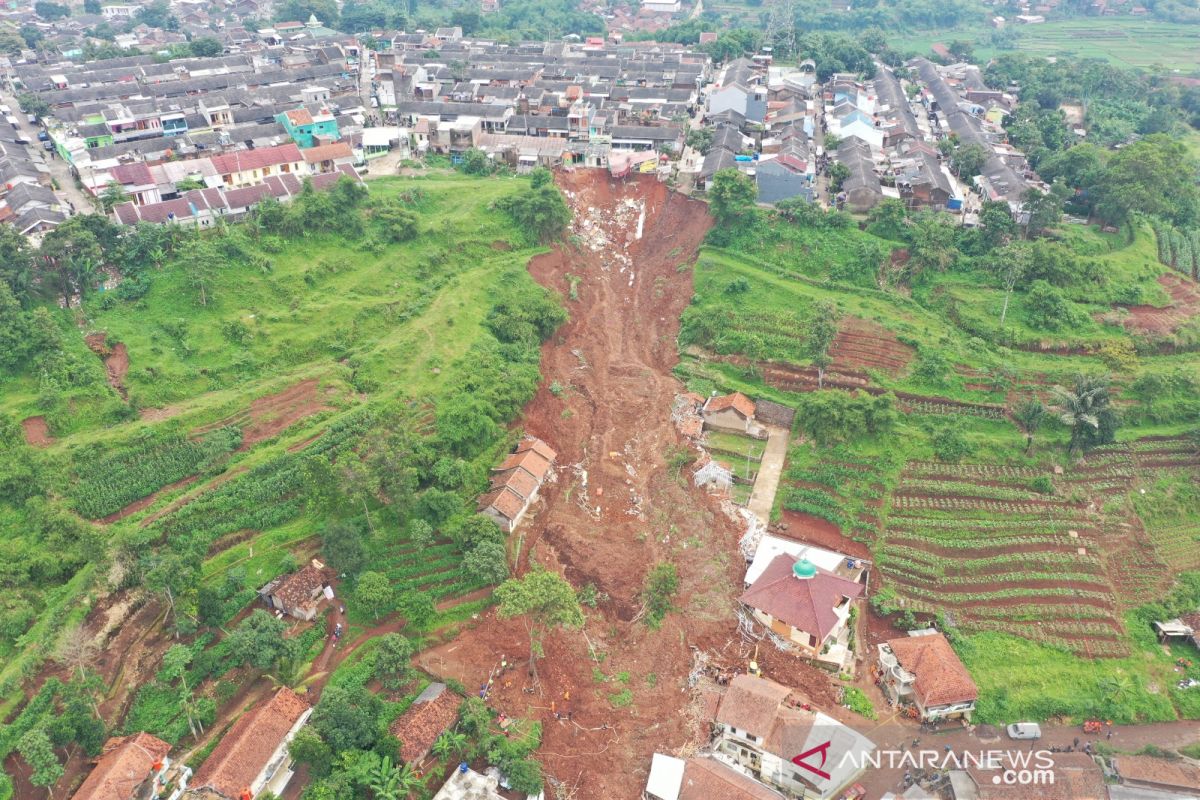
992,547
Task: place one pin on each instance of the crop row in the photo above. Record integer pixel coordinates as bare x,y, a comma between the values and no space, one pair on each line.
1040,612
985,543
1043,558
1018,592
1182,444
965,489
106,484
837,477
951,409
989,471
907,521
965,504
1016,578
1065,632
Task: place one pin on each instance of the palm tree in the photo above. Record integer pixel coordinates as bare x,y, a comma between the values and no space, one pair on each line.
1082,409
1029,415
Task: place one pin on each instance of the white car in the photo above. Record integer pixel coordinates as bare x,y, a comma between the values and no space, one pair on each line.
1024,730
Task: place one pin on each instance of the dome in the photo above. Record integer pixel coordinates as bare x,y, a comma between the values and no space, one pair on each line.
804,569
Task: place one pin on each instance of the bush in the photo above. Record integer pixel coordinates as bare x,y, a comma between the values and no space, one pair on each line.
949,443
1047,308
661,585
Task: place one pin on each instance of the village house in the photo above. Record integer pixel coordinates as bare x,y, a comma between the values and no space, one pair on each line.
700,778
1178,779
1185,628
1076,777
434,711
805,606
252,758
759,729
515,483
923,669
730,412
246,167
132,768
297,594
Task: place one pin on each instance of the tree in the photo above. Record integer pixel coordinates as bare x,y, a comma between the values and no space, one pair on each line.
200,264
31,103
157,15
731,196
113,195
1010,265
347,717
309,748
545,600
889,219
661,585
1028,415
392,657
821,332
1154,176
968,160
374,591
1048,308
77,649
418,608
997,221
175,577
14,330
343,547
838,173
258,640
35,747
1085,410
91,6
540,210
174,667
1043,209
487,561
396,223
206,47
51,11
932,241
476,162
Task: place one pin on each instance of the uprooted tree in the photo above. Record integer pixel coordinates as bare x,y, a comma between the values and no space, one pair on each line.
546,601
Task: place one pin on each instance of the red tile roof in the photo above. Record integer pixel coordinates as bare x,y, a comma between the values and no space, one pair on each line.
126,762
247,748
246,196
517,480
505,501
298,589
1147,769
242,160
750,704
136,174
530,461
299,116
941,676
806,605
419,727
538,446
327,152
737,401
1076,777
707,779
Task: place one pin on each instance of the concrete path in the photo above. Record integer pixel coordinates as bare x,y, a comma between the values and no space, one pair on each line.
59,169
769,472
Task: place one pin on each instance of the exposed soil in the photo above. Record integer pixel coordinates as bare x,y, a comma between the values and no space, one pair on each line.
1184,305
37,432
616,508
116,360
862,344
138,505
820,532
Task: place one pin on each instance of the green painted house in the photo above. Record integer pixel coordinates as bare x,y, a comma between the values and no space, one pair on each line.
305,127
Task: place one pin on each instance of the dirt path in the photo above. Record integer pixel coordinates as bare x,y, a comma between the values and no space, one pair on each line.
616,508
115,358
766,483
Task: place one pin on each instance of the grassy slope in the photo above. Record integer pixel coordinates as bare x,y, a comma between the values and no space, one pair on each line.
1060,683
403,319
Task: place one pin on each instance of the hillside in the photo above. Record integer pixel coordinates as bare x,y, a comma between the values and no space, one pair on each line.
1031,553
208,451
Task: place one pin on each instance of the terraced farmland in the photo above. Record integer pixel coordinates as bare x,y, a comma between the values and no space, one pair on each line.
980,542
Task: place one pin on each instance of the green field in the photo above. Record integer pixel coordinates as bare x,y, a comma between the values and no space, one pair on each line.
341,384
1127,41
967,526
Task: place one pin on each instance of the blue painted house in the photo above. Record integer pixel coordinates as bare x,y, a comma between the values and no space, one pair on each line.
305,127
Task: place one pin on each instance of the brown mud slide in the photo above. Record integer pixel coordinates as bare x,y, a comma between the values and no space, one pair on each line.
115,358
37,432
618,507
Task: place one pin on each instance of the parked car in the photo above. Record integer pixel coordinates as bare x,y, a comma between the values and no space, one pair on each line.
43,136
1024,730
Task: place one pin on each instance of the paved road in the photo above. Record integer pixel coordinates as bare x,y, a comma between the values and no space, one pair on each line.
59,169
769,471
